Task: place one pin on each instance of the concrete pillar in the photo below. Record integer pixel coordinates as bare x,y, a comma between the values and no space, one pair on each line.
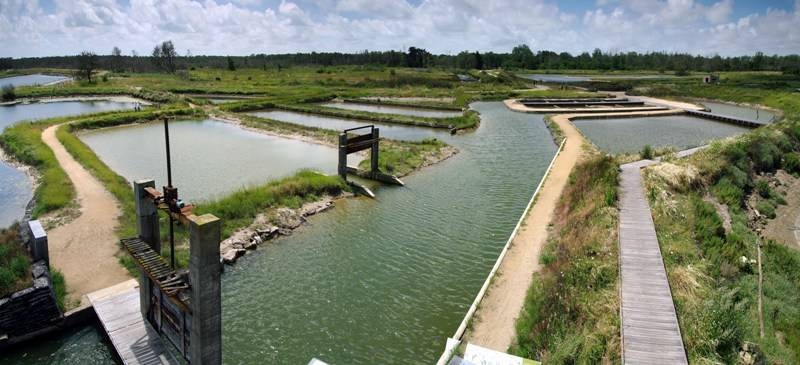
147,229
374,152
38,242
204,276
343,155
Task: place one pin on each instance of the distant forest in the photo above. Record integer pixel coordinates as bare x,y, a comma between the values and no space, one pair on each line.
521,57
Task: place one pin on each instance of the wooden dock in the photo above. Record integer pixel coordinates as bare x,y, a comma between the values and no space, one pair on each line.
650,330
134,340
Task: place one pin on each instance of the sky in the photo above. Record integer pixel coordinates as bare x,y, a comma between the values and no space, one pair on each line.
32,28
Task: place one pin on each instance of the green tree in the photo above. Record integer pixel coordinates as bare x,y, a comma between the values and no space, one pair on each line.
87,63
231,65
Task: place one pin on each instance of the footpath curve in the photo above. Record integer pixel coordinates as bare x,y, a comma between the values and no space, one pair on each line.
85,249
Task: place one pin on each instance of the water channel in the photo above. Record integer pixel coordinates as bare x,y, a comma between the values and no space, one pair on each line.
15,187
386,281
392,109
30,80
631,134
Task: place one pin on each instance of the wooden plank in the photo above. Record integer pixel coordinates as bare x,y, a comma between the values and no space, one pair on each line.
134,340
650,330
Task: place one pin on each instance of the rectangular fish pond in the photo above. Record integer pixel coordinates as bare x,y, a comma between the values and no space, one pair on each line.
629,135
756,115
210,158
10,114
30,80
393,109
393,131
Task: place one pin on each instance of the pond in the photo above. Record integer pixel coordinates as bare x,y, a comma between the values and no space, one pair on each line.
29,80
210,158
386,281
757,115
555,78
392,109
10,114
631,134
393,131
15,193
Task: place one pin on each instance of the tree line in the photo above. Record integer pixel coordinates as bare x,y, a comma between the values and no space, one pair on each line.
165,58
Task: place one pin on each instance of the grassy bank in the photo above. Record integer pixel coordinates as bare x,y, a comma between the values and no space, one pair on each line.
571,312
705,225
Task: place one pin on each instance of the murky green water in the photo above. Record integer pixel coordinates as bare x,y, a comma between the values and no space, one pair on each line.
10,114
752,114
394,131
631,134
209,158
79,346
390,109
383,281
15,189
555,78
386,281
28,80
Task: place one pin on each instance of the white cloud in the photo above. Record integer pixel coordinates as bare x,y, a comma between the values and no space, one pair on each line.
446,26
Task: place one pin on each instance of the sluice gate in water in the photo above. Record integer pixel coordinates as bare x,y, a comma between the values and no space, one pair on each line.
369,141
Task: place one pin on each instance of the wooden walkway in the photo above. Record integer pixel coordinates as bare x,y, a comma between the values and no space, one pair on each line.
134,340
650,330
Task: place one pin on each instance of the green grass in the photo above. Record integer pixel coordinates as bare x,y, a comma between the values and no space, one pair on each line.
401,158
571,311
15,266
461,122
59,288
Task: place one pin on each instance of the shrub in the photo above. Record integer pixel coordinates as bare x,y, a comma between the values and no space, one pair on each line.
766,209
791,162
9,93
763,189
647,152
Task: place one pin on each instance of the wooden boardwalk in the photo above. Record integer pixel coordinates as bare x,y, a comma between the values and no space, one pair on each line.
650,330
134,340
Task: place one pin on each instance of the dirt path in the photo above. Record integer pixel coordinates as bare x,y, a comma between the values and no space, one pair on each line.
85,249
495,319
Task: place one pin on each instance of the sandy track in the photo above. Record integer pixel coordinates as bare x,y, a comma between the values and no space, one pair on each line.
85,249
494,323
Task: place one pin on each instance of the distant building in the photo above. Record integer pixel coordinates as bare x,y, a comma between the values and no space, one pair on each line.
710,79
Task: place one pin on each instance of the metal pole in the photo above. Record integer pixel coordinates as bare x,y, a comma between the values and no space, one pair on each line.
169,162
169,184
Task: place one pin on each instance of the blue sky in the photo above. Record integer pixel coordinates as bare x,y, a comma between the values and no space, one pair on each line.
240,27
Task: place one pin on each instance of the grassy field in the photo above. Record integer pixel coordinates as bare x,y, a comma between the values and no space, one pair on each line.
571,312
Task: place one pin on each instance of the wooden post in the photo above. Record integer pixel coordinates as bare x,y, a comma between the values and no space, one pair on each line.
374,152
343,155
148,231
